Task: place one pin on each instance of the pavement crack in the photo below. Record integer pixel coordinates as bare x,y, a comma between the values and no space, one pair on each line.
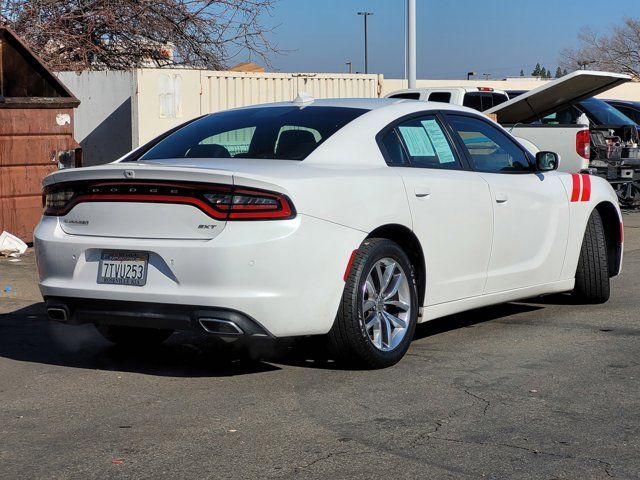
606,465
486,402
328,456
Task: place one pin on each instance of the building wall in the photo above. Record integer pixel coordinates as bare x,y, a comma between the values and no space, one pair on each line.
104,126
122,110
166,98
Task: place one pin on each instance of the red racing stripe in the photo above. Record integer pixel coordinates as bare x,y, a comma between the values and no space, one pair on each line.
586,188
575,193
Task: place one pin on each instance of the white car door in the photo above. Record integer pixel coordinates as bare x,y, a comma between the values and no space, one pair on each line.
530,209
450,206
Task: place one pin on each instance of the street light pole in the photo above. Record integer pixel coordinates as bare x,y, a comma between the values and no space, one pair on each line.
350,65
411,43
366,46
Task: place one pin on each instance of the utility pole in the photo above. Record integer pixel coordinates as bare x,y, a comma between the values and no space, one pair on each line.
411,42
350,65
486,76
366,46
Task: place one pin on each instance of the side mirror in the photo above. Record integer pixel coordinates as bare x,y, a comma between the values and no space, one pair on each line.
547,161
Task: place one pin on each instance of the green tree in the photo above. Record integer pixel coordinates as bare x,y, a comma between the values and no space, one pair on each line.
543,72
536,71
521,73
558,72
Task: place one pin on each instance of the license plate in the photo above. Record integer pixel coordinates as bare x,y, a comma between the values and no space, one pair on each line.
123,268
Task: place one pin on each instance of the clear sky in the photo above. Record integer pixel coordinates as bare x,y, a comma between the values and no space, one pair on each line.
454,36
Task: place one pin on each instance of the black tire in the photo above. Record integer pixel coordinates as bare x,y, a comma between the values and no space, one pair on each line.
133,336
349,339
592,274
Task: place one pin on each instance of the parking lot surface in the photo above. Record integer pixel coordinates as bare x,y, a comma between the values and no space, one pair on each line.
535,389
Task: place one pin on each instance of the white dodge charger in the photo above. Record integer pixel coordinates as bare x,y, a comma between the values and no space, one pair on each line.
352,218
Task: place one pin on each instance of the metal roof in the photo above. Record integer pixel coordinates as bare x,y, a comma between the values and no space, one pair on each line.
25,80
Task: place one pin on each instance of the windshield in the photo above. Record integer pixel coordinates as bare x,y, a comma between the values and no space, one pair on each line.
602,113
282,133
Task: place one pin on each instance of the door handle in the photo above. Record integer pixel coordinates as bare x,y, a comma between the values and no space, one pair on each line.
422,192
501,197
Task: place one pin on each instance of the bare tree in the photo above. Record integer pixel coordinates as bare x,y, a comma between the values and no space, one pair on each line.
122,34
618,51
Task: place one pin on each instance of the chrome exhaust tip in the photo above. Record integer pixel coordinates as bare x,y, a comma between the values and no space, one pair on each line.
58,313
219,326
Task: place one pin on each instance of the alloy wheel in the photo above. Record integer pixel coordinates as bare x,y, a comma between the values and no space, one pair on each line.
386,304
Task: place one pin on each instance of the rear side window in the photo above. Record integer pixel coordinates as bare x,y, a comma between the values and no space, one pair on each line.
282,133
490,149
395,154
444,97
408,95
420,142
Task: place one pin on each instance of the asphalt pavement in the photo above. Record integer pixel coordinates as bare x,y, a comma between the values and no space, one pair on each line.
526,390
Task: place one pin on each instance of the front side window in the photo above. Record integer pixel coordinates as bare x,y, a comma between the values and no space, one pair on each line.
407,96
281,133
420,142
490,149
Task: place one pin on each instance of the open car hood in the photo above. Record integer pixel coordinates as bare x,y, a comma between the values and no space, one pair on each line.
553,96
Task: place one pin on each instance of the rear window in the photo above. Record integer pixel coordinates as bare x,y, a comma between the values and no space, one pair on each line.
281,133
482,101
498,98
601,113
473,100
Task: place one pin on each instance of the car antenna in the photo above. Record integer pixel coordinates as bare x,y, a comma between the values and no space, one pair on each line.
303,99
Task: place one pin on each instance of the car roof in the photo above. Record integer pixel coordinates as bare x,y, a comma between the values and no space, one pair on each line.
445,89
365,104
623,102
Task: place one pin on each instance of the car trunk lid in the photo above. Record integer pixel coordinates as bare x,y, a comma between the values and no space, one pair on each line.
142,201
553,96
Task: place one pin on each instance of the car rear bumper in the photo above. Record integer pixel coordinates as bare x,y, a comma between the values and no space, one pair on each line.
285,276
218,321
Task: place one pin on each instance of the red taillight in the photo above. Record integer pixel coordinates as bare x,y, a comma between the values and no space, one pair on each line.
485,89
583,145
222,202
249,204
